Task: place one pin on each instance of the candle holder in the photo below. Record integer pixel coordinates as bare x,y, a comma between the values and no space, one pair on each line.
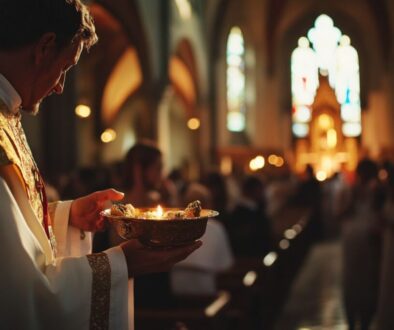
160,232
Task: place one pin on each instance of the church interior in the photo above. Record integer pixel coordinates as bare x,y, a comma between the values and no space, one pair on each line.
279,114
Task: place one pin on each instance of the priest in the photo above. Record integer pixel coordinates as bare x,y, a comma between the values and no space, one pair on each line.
49,279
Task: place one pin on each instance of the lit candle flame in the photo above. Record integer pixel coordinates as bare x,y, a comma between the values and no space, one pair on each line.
159,211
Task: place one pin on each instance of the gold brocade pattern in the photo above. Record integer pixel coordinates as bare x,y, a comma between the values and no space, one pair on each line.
15,150
7,151
51,212
101,288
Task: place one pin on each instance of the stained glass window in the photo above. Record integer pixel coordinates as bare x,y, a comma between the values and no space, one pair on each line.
327,51
236,81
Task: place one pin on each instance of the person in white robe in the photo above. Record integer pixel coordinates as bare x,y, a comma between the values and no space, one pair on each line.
49,279
215,256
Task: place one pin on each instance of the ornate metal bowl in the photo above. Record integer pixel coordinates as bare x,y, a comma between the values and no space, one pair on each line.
161,232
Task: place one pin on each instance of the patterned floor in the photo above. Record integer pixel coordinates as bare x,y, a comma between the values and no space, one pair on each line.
315,299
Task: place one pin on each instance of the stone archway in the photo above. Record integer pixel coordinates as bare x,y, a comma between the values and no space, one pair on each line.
179,104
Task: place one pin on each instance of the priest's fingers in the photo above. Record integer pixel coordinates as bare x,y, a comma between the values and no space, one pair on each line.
94,221
108,194
88,221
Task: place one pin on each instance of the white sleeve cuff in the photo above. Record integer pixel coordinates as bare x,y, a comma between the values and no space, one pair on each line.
70,240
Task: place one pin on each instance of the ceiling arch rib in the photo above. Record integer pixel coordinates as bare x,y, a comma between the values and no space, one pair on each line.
125,78
183,74
118,71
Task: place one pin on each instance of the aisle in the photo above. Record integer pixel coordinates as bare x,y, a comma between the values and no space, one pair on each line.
315,299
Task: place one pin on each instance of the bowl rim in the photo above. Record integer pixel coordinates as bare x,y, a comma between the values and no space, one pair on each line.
209,214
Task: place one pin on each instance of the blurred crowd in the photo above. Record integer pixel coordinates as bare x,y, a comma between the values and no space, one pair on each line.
358,208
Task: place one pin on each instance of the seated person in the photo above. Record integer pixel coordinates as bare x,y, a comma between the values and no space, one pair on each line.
196,274
249,226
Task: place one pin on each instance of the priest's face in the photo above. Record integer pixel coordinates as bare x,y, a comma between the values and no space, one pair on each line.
50,74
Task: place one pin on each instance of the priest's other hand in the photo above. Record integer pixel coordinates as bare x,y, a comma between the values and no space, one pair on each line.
141,259
85,211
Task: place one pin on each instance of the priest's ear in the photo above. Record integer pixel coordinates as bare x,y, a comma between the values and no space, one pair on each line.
45,48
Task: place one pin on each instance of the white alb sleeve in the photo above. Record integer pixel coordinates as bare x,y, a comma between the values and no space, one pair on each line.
85,292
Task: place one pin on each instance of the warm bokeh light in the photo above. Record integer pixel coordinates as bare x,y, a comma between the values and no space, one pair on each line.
332,138
276,160
250,278
257,163
226,165
83,111
108,135
280,162
325,122
159,211
297,227
272,159
321,175
270,258
193,124
290,233
260,161
222,299
284,244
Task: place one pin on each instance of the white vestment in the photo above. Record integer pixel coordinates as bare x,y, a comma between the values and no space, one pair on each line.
201,267
38,289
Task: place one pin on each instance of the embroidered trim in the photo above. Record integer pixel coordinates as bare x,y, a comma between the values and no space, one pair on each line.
101,288
52,240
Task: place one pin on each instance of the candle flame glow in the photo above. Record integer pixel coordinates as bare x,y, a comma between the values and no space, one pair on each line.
159,211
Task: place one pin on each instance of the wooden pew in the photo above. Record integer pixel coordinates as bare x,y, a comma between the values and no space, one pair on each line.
260,285
189,312
251,293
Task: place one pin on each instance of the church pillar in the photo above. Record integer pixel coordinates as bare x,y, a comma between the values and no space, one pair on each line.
59,130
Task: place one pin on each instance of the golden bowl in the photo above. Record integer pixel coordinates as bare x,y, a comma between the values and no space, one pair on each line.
160,232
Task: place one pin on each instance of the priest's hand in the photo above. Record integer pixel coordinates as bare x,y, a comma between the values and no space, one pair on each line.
141,259
85,211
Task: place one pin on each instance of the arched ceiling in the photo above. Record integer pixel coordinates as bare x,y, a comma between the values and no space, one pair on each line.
119,64
127,14
183,73
117,69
